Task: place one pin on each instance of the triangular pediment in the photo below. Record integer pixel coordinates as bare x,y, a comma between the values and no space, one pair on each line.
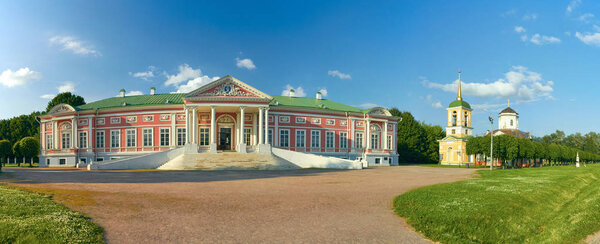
227,88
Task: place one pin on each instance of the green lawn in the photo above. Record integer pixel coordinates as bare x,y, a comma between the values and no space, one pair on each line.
27,217
23,165
532,205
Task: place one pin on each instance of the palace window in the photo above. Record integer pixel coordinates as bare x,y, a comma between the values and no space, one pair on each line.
270,136
466,118
284,138
49,142
359,140
343,139
454,118
66,140
300,138
511,122
164,137
100,139
83,139
247,135
204,136
329,139
390,146
453,131
181,136
130,137
115,138
315,139
375,141
147,137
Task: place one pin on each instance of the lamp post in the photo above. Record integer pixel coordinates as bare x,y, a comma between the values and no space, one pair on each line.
491,142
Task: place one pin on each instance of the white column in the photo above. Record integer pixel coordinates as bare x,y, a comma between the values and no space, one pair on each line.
55,134
352,134
368,133
173,130
43,138
255,137
74,137
385,133
237,131
195,124
242,143
90,133
266,125
261,137
213,126
187,125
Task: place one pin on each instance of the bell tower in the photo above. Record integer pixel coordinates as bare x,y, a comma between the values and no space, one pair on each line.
459,115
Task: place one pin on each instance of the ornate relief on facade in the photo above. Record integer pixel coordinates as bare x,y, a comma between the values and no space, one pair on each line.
100,121
131,119
284,119
61,108
315,121
180,117
360,123
390,127
48,125
270,118
248,117
225,119
227,89
148,118
301,120
115,120
374,128
343,122
165,117
65,126
204,117
330,122
82,122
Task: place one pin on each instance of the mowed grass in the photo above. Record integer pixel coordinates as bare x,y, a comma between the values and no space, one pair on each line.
27,217
533,205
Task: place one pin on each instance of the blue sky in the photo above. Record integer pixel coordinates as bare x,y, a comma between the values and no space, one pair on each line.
543,55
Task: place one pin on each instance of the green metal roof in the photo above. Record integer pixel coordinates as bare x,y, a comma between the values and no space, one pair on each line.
175,98
140,100
303,102
459,103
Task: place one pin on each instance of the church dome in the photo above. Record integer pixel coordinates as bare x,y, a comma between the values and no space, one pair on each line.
508,110
459,103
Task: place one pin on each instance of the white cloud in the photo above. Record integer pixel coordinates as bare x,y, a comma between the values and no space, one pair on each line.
532,16
323,92
538,39
72,44
245,63
518,83
134,93
193,78
66,87
509,13
9,78
519,29
596,28
368,105
338,74
585,17
48,96
589,38
298,91
434,104
146,75
572,5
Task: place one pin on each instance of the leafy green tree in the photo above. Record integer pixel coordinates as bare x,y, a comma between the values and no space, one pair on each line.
16,149
29,147
5,151
433,133
67,98
411,143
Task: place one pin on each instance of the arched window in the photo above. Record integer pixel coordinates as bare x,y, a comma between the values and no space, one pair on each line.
375,131
65,135
454,118
466,118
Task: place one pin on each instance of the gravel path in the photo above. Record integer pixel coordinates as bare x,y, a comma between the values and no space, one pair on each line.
290,206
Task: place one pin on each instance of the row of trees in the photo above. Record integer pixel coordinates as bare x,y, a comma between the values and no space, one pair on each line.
518,151
417,141
589,142
28,147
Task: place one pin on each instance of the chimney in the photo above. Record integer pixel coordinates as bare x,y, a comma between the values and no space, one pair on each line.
152,90
292,92
122,93
319,96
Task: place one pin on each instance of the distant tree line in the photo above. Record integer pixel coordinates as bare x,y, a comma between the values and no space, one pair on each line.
417,141
589,142
517,152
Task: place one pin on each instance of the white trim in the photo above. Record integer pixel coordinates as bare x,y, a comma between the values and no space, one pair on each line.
111,139
296,138
288,138
332,141
134,138
311,139
151,136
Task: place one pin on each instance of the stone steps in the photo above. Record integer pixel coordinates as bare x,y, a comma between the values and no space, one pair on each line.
228,161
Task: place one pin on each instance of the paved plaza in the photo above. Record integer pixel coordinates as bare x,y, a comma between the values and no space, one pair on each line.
280,206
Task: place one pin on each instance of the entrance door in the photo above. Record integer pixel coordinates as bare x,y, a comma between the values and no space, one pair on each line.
225,139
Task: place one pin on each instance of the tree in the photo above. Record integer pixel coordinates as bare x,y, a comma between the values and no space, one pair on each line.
29,147
67,98
433,133
5,150
16,149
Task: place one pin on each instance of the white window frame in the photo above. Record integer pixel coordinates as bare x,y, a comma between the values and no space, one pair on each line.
301,142
166,135
181,136
118,141
329,139
390,146
144,134
82,136
358,140
375,141
270,136
286,139
127,142
49,141
65,139
317,143
204,136
248,136
343,139
103,141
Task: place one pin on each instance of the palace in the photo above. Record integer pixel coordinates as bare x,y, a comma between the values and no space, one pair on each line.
508,124
226,115
453,147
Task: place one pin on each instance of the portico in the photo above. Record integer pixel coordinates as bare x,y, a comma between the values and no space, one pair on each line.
226,115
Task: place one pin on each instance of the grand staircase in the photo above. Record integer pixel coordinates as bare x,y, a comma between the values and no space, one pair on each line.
228,161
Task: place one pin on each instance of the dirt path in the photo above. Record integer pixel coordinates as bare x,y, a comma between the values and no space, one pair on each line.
292,206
